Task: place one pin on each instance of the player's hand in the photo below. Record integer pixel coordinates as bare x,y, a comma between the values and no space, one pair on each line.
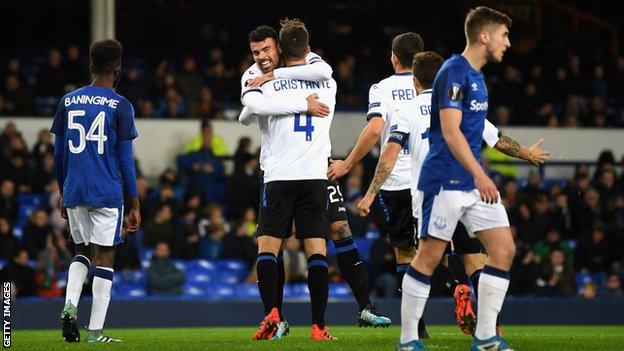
63,210
364,205
317,108
256,82
134,217
487,189
337,169
537,156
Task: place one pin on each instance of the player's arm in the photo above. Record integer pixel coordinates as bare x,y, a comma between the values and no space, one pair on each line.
507,145
58,129
450,120
261,105
316,70
126,133
367,139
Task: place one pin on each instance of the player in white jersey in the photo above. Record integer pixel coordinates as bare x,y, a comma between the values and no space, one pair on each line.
264,50
411,125
295,187
384,98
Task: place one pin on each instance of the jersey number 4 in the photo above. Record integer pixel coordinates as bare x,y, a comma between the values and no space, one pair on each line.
95,133
308,128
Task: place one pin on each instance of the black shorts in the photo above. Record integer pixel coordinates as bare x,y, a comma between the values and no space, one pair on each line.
463,243
396,207
303,201
337,208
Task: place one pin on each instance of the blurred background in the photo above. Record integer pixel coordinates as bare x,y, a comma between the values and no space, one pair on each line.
563,80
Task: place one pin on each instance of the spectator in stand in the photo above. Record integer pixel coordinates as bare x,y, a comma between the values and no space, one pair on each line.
553,242
126,254
43,146
524,268
165,196
172,105
21,274
594,252
44,174
190,83
613,287
244,187
50,261
295,262
17,98
8,242
589,290
159,228
51,77
556,276
383,267
208,107
76,72
163,277
8,201
238,245
188,239
214,141
211,242
135,89
37,232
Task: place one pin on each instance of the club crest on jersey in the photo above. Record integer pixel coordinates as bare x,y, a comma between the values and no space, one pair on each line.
474,86
440,222
455,92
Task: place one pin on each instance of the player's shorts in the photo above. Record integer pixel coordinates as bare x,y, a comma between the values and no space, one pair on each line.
337,208
304,201
396,207
440,213
95,225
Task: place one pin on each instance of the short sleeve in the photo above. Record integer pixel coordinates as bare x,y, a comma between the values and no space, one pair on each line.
58,124
400,128
247,76
376,103
313,58
490,133
449,88
126,130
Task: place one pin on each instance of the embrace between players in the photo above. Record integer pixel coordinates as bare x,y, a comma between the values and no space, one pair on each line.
428,175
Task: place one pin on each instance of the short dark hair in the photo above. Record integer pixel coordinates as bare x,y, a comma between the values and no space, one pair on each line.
405,46
425,67
261,33
482,16
293,38
105,56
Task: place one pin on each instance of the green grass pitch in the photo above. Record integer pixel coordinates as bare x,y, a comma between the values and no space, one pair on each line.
350,338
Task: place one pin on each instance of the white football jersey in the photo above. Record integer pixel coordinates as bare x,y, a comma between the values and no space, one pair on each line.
263,121
414,121
385,98
299,144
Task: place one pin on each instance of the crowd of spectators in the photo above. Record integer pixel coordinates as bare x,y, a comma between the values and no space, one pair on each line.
569,232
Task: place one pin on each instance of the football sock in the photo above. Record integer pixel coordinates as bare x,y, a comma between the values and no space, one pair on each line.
281,280
493,284
446,277
455,264
318,284
78,270
415,289
266,269
474,278
352,270
102,283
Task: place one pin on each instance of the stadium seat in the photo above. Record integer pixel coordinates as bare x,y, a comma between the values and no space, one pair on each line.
61,278
247,292
192,290
339,291
128,291
199,278
201,266
232,271
218,291
180,264
299,291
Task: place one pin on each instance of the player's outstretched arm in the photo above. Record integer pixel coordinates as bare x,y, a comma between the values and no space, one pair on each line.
386,163
365,143
260,105
533,154
450,120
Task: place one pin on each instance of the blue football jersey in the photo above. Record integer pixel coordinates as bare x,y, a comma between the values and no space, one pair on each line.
92,120
457,85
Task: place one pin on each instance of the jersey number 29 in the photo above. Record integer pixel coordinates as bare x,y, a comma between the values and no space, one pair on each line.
95,133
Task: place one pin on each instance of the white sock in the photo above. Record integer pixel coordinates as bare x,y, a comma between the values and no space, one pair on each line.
102,283
492,291
76,276
413,300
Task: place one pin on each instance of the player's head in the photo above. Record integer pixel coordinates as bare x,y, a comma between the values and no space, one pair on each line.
105,56
263,45
294,39
488,28
425,67
404,47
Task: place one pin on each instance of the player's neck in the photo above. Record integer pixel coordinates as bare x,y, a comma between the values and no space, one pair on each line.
294,62
475,57
398,69
104,81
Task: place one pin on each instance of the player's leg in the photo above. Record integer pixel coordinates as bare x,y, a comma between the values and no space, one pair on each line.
274,224
439,215
490,224
283,328
79,268
105,236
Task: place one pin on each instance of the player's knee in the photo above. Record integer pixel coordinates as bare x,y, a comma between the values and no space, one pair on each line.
339,230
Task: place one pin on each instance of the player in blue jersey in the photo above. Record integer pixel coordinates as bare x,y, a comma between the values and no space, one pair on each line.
453,186
93,163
